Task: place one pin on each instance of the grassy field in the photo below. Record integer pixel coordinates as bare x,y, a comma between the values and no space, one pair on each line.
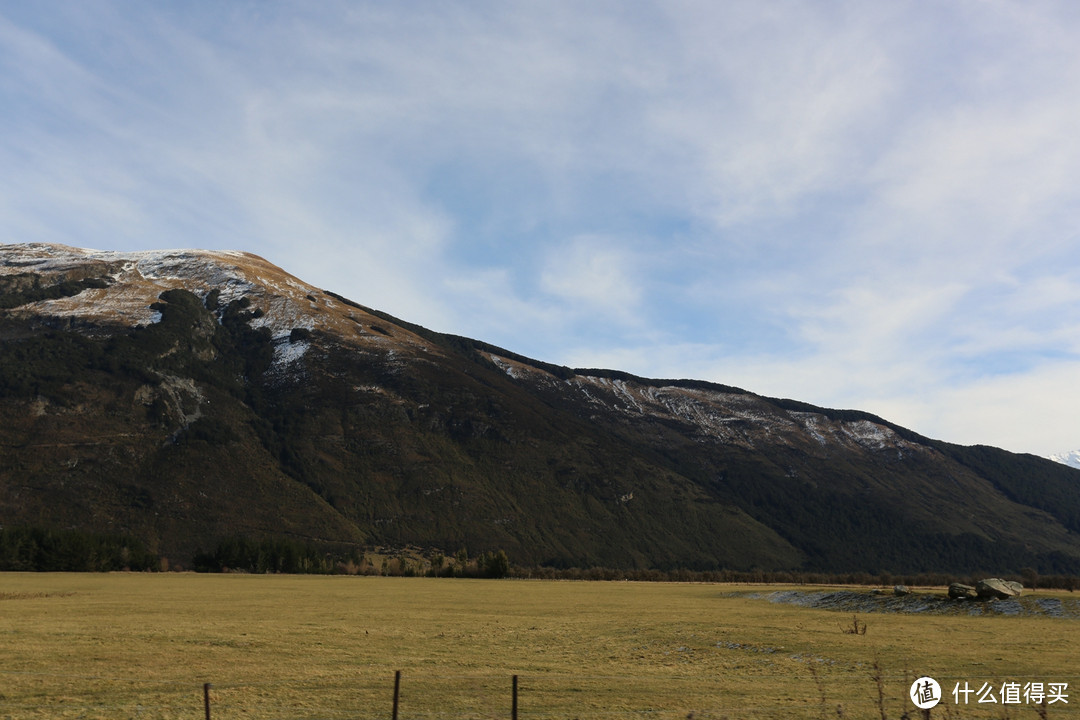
142,645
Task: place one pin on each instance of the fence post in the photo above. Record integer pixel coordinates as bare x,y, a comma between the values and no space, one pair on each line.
206,699
513,706
397,691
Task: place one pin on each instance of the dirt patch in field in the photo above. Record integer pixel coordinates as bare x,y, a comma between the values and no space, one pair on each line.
32,596
855,601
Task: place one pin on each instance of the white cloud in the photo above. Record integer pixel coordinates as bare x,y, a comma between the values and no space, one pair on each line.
1033,411
768,107
592,276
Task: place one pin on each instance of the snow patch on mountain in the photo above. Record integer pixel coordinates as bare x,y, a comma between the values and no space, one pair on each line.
740,419
506,366
287,353
868,434
139,278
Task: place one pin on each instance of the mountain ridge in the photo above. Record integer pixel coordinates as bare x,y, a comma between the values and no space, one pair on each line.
241,400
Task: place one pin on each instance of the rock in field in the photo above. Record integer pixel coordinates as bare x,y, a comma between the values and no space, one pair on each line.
959,591
996,588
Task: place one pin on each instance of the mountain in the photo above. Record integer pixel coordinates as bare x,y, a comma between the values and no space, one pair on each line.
189,397
1072,459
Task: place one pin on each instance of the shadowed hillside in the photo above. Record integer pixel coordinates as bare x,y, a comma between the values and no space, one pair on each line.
188,397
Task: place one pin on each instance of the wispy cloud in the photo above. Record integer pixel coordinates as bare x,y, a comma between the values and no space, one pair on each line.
592,276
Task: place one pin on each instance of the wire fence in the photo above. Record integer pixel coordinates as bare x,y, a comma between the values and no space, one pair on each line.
481,696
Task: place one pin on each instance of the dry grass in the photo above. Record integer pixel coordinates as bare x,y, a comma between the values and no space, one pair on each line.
140,646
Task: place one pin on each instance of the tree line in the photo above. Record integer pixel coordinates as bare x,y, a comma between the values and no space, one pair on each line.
284,555
50,550
32,549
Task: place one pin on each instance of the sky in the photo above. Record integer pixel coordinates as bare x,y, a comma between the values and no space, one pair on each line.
857,205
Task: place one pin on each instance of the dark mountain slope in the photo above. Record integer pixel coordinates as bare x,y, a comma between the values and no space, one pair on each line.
187,397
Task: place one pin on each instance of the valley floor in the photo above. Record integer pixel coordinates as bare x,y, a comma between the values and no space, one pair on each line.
144,645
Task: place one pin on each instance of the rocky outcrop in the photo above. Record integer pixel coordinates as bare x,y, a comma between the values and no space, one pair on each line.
997,589
959,591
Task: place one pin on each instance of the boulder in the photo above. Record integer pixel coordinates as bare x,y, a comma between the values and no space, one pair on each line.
901,590
997,589
959,591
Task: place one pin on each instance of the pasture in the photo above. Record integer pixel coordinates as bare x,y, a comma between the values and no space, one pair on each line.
143,645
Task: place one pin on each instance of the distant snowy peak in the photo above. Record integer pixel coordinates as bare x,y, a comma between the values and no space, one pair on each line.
136,279
128,284
1072,459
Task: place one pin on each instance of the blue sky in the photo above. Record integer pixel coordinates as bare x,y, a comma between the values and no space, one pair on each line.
858,205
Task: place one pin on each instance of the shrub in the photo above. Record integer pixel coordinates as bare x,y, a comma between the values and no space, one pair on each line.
495,564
